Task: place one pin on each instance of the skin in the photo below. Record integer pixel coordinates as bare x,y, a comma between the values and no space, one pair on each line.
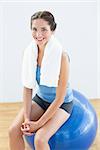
32,117
41,32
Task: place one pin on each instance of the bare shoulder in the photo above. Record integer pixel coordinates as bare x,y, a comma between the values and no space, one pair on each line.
64,71
65,58
64,64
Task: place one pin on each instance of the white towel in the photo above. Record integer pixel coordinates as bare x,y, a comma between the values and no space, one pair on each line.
50,67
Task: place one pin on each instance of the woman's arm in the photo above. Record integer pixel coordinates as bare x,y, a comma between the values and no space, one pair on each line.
27,99
60,91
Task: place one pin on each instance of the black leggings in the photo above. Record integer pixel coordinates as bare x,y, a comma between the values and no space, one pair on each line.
44,104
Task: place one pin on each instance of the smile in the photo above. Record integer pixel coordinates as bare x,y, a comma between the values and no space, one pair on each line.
39,40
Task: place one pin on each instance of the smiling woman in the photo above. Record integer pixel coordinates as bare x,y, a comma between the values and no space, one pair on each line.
42,26
46,65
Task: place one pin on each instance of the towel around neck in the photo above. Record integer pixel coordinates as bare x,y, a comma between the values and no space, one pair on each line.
50,67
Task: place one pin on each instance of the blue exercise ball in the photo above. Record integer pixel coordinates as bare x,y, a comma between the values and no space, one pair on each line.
78,132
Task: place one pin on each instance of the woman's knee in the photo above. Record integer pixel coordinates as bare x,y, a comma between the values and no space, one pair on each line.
14,130
40,139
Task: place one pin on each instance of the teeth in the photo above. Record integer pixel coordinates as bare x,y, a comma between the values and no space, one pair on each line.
39,39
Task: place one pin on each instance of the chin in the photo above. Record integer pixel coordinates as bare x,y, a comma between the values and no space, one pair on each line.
41,43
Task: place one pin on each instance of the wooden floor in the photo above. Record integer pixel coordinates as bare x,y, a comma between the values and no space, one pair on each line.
9,110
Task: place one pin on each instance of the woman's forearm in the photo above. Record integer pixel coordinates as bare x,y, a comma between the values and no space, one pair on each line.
27,99
50,112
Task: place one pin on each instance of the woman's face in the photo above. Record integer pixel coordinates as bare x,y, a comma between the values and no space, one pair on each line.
41,31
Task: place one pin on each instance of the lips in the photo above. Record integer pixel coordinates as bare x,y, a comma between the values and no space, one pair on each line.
40,40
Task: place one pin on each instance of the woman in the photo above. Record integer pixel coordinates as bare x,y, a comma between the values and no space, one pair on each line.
47,111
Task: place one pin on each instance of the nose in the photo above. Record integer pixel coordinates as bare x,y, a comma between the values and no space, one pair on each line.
39,34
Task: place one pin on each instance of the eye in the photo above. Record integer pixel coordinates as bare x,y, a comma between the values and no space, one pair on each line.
43,29
34,29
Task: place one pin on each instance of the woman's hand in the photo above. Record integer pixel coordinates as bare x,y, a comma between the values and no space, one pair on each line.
29,127
25,127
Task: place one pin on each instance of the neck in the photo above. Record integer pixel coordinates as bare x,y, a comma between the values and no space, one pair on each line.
41,48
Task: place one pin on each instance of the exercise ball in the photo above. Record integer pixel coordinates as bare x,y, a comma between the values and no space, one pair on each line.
78,132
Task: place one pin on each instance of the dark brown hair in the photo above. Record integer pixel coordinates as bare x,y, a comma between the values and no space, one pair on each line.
47,16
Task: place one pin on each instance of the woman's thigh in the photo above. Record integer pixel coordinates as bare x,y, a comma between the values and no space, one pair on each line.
49,129
36,112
